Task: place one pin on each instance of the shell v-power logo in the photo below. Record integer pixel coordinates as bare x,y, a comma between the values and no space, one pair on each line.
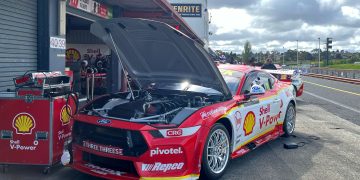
24,123
65,115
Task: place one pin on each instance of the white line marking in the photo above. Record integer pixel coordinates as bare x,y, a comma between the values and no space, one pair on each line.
336,103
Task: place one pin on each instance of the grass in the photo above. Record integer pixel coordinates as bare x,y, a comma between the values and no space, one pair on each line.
345,66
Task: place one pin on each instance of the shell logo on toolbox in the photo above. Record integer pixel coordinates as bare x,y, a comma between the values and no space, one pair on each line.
249,123
24,123
64,115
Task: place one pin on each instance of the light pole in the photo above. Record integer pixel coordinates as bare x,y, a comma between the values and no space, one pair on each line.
319,52
297,53
283,55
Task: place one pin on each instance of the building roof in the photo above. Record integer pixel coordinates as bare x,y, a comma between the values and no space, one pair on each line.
159,10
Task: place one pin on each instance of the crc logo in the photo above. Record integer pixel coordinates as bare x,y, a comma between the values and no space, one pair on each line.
65,115
174,132
103,121
24,123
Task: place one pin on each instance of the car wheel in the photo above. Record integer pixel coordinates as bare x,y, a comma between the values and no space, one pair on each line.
289,123
216,153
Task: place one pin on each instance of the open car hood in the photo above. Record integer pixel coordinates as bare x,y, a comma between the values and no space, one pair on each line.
154,52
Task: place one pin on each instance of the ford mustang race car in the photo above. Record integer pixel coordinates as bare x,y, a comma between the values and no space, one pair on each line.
293,76
182,117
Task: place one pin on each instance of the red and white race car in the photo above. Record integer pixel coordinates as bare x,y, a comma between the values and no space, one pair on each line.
184,119
293,76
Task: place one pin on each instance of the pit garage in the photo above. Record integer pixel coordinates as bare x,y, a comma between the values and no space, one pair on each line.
52,38
94,69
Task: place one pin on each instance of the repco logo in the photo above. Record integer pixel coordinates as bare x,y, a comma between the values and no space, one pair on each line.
174,132
162,167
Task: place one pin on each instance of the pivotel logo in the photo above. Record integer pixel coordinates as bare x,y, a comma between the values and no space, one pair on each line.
174,132
103,121
162,167
159,151
24,123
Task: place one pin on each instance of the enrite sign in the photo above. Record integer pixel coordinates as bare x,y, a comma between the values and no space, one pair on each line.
188,10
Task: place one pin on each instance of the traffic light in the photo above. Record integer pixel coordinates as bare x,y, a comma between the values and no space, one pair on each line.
328,43
328,46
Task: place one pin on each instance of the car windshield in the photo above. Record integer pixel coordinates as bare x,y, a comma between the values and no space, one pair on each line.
232,79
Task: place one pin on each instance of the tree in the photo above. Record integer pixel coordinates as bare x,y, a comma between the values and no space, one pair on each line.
247,52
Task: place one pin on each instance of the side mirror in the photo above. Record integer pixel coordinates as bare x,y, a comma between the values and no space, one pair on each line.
257,90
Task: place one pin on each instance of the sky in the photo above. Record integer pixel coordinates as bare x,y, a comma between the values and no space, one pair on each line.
278,24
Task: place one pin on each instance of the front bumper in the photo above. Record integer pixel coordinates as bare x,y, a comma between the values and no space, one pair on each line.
163,157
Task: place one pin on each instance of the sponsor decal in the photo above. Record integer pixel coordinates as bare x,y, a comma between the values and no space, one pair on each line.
264,110
24,123
72,54
174,132
103,171
103,148
64,115
16,145
213,112
169,133
169,151
162,167
257,89
268,120
62,135
249,123
242,151
104,121
238,120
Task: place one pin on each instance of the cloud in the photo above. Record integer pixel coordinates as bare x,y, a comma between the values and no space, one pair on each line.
272,24
213,4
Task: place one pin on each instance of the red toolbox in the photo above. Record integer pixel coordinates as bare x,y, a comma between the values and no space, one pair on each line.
35,120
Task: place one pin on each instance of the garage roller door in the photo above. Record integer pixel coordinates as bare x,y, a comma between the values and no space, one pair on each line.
18,40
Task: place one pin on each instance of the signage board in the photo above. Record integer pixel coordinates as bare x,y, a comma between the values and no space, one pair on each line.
188,10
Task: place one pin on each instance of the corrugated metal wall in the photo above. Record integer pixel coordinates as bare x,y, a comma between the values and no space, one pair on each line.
18,39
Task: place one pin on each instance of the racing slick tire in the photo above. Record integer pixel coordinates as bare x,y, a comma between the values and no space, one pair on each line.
216,153
289,122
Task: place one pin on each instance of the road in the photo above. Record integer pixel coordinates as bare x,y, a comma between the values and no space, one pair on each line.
327,127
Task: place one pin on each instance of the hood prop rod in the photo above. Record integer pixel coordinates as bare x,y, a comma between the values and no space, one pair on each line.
119,59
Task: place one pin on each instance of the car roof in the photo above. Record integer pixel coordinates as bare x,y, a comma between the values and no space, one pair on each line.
236,67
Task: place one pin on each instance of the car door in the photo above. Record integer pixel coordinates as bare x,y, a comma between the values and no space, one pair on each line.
245,115
253,117
269,112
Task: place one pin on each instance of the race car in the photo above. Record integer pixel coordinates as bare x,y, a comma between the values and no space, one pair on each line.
183,118
293,76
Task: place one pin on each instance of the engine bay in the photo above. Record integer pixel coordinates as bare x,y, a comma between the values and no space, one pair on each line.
150,106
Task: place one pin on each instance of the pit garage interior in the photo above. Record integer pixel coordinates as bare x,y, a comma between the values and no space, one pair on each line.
92,63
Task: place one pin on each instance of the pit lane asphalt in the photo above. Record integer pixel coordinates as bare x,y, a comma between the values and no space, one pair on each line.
331,148
339,98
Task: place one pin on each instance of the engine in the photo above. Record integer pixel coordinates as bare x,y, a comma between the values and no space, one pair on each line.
149,107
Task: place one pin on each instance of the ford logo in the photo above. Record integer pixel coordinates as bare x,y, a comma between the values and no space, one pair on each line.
104,121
